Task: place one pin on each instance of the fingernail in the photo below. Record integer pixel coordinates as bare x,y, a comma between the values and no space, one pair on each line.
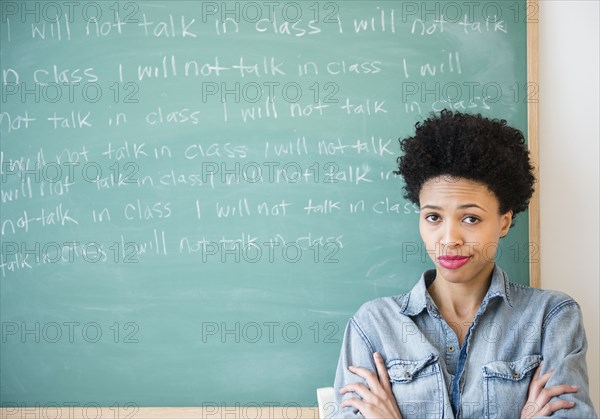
575,387
377,355
351,367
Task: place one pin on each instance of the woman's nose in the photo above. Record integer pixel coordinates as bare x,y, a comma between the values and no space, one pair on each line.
452,235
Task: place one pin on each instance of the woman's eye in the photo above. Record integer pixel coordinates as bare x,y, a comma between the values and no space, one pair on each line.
432,218
471,220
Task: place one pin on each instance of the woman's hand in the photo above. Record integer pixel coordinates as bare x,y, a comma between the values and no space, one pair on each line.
538,396
378,400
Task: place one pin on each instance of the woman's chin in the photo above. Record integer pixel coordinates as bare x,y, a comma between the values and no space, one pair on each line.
463,274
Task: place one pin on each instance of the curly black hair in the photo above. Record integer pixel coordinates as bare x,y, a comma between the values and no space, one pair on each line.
473,147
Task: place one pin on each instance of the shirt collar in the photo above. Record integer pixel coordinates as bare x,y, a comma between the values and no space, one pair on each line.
419,299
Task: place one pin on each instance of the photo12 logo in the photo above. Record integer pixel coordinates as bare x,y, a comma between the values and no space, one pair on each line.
269,332
466,95
275,13
270,91
63,91
68,410
69,332
114,13
269,251
67,171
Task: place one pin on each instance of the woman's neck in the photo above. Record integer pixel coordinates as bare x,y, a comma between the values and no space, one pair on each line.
458,303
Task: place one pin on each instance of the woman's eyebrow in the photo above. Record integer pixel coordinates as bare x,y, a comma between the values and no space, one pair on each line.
464,206
433,207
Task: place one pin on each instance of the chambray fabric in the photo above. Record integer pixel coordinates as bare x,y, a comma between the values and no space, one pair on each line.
514,329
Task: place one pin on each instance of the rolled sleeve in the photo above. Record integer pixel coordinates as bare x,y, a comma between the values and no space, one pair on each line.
564,351
355,351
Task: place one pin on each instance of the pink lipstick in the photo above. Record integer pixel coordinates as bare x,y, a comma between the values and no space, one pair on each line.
453,262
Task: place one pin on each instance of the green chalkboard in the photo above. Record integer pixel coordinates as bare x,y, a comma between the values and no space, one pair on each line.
196,196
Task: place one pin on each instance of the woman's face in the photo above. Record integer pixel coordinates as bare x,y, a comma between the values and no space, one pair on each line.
460,225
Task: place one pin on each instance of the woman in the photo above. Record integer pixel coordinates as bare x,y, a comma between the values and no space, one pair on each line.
465,342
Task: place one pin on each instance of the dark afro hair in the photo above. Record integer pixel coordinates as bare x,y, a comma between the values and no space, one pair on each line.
472,147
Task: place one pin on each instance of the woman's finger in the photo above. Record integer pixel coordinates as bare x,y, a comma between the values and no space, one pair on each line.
354,402
548,393
529,410
538,371
537,385
554,406
370,377
384,378
544,378
359,388
538,396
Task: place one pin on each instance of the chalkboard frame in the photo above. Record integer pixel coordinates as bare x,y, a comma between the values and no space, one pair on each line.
533,138
532,8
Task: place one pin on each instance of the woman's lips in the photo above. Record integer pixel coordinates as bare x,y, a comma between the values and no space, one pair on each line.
453,262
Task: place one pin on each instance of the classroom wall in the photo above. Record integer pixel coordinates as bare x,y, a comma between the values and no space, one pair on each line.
569,138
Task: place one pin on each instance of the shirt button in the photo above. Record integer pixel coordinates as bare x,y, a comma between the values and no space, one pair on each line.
451,348
515,374
407,375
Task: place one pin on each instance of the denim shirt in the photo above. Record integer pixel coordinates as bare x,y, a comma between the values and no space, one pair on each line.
514,329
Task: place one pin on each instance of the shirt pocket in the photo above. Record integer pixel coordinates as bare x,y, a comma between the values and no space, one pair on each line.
417,386
506,384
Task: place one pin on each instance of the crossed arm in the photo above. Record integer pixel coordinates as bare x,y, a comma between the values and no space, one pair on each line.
378,400
564,347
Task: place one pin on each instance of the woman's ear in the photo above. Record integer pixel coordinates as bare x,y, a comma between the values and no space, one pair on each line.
505,222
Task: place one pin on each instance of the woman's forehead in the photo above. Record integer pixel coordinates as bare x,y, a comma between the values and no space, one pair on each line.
452,190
